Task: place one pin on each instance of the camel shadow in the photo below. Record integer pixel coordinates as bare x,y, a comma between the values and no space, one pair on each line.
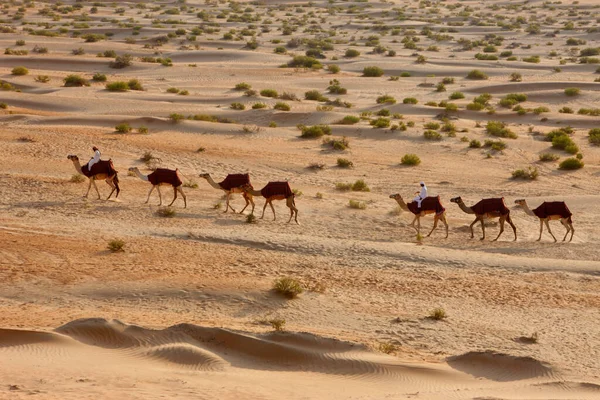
39,204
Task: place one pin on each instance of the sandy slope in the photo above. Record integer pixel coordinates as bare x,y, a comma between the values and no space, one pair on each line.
194,291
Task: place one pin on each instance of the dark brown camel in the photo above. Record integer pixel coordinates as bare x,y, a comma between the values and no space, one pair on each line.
232,184
548,211
488,209
102,170
163,176
276,191
429,205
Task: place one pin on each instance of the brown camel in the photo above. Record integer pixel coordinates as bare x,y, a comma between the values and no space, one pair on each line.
429,205
276,191
232,184
103,169
548,211
163,176
488,209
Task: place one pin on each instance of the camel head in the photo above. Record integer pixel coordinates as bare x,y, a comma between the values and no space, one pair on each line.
520,202
133,169
73,157
395,196
205,176
456,200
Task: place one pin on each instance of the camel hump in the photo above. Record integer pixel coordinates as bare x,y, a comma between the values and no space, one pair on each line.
492,205
234,181
429,203
165,175
277,189
549,208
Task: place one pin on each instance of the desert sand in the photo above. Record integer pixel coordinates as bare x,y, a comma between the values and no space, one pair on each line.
187,308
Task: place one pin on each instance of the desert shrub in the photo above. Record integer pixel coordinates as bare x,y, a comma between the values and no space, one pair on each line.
380,122
337,144
19,71
289,96
269,93
75,81
499,129
135,84
475,106
540,110
532,59
305,62
410,100
531,173
173,90
358,205
344,187
336,88
116,245
549,157
280,105
594,136
315,131
572,91
456,96
566,110
448,80
386,99
516,77
506,53
360,186
123,128
595,112
42,78
432,125
277,324
440,87
344,163
486,57
166,212
39,49
387,348
333,68
118,86
257,106
237,106
384,112
592,51
175,117
564,142
98,77
349,120
288,287
405,74
410,159
142,130
432,135
477,75
352,53
571,163
243,86
78,52
314,95
474,144
122,61
497,145
77,178
438,314
108,54
372,71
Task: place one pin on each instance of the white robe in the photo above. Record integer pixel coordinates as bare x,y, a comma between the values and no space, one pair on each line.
421,196
94,160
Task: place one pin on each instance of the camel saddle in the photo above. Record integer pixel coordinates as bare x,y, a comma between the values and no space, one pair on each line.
429,203
490,206
553,208
101,167
165,175
277,189
234,181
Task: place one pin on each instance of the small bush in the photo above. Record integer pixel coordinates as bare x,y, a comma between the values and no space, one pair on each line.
387,348
42,78
121,61
572,91
257,106
77,178
548,157
410,159
123,128
269,93
251,219
571,163
432,135
499,129
118,86
344,187
432,125
135,84
315,131
516,77
75,81
142,130
98,77
360,186
349,120
176,117
237,106
474,144
380,122
116,245
19,71
277,324
387,99
78,52
359,205
344,163
166,212
305,62
594,136
372,71
333,68
243,86
566,110
337,144
410,100
173,90
477,75
497,145
531,173
438,314
350,53
282,106
288,287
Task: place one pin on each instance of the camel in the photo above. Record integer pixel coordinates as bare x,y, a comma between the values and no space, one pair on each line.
488,208
163,176
275,191
548,211
232,184
429,205
103,169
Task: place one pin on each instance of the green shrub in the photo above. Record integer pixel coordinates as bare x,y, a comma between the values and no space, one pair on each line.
344,187
432,125
337,144
174,117
237,106
352,53
98,77
438,314
75,81
477,75
451,107
142,130
118,86
475,106
305,62
359,205
166,212
405,75
20,71
243,86
123,128
410,100
315,131
531,173
116,245
277,324
315,95
121,61
42,78
384,112
572,91
380,122
288,287
432,135
372,71
566,110
135,84
344,163
386,99
173,90
548,157
349,120
570,164
540,110
280,105
269,93
532,59
499,129
333,68
257,106
564,142
594,136
360,186
497,145
474,144
516,77
410,159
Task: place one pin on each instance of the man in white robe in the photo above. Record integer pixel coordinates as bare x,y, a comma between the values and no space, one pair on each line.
421,195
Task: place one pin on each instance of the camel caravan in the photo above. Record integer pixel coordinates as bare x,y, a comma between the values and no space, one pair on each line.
421,206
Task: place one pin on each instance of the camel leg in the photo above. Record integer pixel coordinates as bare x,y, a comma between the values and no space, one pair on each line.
183,195
502,220
110,183
174,196
435,223
96,187
549,231
247,202
564,223
293,209
251,199
227,206
412,224
514,228
541,229
471,226
264,208
159,195
445,223
89,187
572,232
273,208
149,193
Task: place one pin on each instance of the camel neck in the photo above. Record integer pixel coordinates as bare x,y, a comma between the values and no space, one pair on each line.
466,209
527,209
77,166
402,204
212,182
140,175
